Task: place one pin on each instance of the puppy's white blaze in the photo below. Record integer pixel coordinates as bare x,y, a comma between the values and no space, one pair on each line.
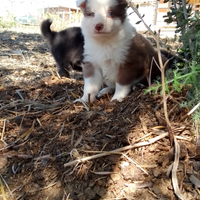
121,91
92,86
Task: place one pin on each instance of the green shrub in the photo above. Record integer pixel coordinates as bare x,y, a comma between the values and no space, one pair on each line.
187,73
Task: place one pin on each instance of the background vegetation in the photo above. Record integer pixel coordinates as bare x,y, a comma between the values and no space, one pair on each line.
186,72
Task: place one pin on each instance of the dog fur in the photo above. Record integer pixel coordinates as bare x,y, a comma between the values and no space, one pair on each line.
66,47
114,53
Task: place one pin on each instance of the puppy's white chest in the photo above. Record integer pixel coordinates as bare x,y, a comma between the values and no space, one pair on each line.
106,57
110,72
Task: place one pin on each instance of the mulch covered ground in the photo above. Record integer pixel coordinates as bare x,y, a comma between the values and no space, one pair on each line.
43,132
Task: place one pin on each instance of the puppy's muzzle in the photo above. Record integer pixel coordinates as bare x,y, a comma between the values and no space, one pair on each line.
99,27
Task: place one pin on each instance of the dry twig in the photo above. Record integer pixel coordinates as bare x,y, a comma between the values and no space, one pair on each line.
163,90
116,151
174,170
3,131
193,109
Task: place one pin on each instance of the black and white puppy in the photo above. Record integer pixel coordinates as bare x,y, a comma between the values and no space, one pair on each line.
66,47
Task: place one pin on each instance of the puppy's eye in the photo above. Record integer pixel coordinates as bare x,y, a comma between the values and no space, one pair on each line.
110,13
91,14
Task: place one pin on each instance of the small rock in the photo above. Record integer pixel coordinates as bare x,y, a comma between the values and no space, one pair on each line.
124,164
115,177
196,166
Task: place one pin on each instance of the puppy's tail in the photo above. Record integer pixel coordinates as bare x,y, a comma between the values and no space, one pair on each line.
46,31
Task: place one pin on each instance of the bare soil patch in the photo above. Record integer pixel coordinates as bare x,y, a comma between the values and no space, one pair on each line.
42,130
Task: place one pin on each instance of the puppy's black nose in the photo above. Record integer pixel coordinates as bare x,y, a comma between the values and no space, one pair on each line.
99,26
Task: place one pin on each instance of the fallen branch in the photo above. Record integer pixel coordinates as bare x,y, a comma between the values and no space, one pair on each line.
117,151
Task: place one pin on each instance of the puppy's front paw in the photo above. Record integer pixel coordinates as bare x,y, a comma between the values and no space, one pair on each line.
121,92
91,96
118,98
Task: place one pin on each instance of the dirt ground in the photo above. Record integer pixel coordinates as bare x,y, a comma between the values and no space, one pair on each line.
42,131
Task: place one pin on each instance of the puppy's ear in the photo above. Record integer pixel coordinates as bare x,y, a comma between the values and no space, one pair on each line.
123,3
81,4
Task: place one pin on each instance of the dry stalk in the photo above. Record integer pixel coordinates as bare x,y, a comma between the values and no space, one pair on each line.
107,94
2,85
56,74
20,126
20,95
89,103
3,131
36,105
84,104
68,196
2,190
193,109
103,173
116,151
163,90
151,192
11,104
149,78
174,170
135,163
139,185
172,138
163,81
6,185
27,133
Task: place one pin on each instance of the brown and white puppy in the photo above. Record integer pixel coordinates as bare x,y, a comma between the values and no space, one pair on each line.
66,47
114,53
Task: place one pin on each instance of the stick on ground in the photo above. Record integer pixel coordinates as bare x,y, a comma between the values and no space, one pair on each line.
117,151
